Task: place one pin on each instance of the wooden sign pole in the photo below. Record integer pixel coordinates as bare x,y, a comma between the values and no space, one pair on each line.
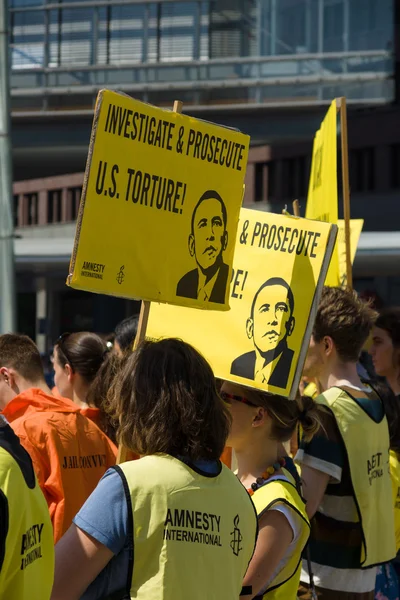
341,104
143,319
296,209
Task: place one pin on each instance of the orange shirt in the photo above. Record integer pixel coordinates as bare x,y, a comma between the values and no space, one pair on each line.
92,413
69,452
226,457
55,392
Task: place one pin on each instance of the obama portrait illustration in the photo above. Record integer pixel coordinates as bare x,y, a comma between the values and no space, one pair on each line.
207,241
270,324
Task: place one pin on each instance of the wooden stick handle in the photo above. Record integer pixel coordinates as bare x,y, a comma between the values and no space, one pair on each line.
296,208
177,106
346,190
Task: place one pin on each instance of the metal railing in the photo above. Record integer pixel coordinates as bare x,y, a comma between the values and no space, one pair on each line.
241,80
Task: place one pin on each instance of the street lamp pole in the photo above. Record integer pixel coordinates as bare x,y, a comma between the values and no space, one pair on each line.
7,272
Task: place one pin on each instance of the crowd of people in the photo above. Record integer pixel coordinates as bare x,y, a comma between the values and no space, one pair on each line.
312,510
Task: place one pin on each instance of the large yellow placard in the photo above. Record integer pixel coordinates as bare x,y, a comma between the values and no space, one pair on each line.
322,200
356,226
160,206
279,269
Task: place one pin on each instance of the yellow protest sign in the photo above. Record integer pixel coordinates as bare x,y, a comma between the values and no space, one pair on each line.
322,200
279,269
356,226
160,206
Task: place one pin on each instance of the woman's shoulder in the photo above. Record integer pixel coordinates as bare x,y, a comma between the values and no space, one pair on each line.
280,488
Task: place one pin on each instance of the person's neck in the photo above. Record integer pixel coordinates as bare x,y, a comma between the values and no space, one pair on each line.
338,373
24,385
253,458
394,383
79,396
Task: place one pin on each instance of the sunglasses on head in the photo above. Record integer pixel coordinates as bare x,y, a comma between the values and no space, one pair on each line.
229,397
60,344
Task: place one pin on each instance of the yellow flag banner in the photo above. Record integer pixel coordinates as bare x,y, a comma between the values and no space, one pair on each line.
160,206
356,226
322,200
279,269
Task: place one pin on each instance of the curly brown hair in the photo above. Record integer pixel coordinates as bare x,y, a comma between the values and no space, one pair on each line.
165,401
345,318
99,388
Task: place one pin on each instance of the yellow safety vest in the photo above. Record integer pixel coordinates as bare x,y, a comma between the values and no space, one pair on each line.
311,390
367,447
193,534
395,476
286,583
27,561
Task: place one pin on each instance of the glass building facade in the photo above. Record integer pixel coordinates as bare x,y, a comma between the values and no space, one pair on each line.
219,52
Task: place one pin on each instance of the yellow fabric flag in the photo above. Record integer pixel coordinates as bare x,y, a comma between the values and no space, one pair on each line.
322,200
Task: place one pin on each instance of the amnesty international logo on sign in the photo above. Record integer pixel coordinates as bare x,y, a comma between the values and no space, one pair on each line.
160,206
322,200
279,270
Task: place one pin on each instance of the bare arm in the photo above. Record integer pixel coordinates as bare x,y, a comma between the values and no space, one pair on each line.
79,559
313,487
275,535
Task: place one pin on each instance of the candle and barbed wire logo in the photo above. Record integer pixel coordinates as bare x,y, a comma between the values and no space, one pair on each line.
121,275
236,537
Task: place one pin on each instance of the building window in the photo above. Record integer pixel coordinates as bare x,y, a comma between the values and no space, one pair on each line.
294,184
122,33
334,25
54,206
362,169
271,181
27,40
370,24
260,183
15,209
33,208
291,28
177,26
76,34
116,34
74,199
395,166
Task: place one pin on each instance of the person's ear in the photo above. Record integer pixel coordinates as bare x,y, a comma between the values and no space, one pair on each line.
290,325
191,244
259,417
69,372
249,328
327,345
6,376
224,240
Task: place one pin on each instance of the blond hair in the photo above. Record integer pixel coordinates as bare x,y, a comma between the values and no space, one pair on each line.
287,414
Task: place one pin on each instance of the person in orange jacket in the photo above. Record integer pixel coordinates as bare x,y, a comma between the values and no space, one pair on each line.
83,371
69,452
